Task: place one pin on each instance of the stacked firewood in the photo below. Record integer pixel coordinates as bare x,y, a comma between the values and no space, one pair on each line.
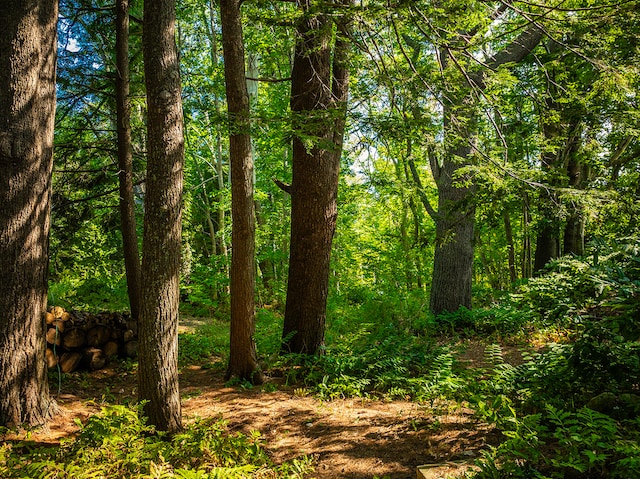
78,339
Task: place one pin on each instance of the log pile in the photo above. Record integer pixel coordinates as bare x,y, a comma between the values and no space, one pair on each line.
78,339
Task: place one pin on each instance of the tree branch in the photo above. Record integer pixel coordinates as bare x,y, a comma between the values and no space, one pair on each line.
283,186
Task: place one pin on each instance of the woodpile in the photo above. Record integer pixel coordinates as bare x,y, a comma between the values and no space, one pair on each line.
77,339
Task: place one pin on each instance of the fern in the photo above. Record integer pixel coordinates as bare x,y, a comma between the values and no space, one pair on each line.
119,445
493,354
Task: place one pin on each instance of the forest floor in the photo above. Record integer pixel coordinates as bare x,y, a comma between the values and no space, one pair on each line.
348,438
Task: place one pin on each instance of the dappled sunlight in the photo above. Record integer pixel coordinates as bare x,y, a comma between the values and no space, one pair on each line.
26,138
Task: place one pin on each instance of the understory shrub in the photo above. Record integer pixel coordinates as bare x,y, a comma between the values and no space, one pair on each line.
369,361
556,443
118,444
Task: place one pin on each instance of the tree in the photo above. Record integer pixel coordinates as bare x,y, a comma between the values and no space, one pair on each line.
242,357
579,108
455,217
125,159
27,112
319,87
86,230
158,323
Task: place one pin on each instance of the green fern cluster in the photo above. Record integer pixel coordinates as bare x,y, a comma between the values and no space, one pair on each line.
117,444
556,443
365,363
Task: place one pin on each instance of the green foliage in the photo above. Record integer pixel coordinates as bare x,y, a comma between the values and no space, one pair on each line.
571,410
565,288
557,443
496,321
373,360
117,443
202,290
208,343
609,279
600,359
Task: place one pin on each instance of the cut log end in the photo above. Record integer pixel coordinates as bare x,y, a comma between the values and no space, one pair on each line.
81,339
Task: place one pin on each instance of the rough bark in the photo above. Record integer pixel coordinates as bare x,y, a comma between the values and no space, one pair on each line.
455,223
242,357
548,233
455,218
511,248
564,129
318,99
573,240
27,111
158,323
125,159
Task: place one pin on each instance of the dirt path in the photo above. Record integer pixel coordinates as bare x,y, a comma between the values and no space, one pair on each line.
347,438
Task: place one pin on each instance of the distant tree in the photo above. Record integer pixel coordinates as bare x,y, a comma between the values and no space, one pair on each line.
158,322
319,88
583,117
87,241
27,110
125,158
455,217
243,361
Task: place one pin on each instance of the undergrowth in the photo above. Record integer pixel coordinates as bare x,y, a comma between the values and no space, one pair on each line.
569,409
118,444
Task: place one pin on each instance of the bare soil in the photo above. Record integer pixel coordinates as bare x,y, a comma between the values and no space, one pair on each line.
350,438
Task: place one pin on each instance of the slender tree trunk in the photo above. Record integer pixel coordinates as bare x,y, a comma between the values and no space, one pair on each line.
213,46
318,105
508,231
125,159
573,241
265,264
242,356
158,324
27,112
527,263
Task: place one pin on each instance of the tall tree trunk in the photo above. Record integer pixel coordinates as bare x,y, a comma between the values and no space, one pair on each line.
213,46
158,324
573,241
455,223
265,265
125,159
526,261
455,218
318,105
243,361
548,234
511,248
27,112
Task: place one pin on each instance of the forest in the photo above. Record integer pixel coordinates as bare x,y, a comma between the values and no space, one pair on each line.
320,238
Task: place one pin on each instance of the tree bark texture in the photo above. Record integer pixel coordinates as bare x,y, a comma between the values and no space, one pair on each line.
243,361
158,323
318,97
455,224
27,111
548,233
125,159
455,218
577,171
